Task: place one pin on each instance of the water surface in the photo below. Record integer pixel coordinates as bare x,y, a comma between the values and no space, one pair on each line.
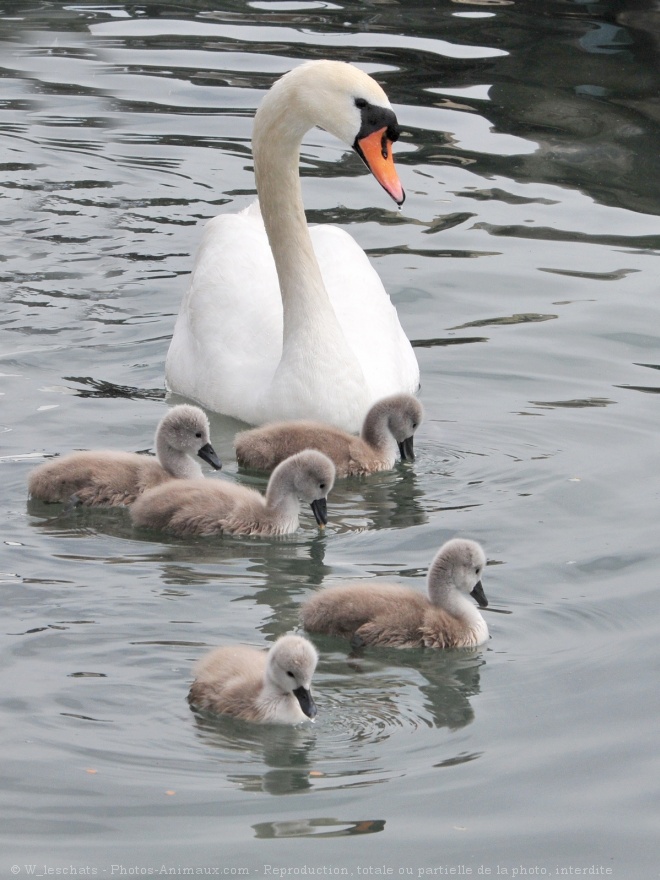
524,267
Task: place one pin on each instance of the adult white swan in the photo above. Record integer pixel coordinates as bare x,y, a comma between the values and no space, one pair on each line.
282,321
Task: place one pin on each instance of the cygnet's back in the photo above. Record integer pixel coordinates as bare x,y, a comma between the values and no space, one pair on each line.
210,507
389,425
401,617
109,478
263,686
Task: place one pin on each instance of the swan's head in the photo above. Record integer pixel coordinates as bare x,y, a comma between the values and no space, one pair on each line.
186,429
310,475
349,104
459,565
291,664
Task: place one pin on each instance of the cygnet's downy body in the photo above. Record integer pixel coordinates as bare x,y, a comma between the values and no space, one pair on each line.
111,478
401,617
211,507
388,428
263,686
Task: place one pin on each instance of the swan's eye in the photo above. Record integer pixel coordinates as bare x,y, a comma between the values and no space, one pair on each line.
321,485
477,570
360,103
199,435
291,674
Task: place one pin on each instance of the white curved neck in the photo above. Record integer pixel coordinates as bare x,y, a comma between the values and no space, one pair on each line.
279,706
376,432
312,337
463,608
175,462
282,502
443,594
276,141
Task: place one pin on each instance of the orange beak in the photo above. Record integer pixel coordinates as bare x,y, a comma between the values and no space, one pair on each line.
376,150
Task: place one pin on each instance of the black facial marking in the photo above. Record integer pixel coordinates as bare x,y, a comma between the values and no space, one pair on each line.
374,118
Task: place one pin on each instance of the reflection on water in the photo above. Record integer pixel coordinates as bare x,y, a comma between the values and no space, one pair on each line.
319,827
591,111
432,343
572,404
617,275
646,389
505,321
548,234
100,388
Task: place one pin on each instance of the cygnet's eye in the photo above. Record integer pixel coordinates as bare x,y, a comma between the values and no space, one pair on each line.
199,435
321,485
477,570
360,103
291,674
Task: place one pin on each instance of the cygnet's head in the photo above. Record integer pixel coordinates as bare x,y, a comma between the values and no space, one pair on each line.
186,428
405,414
311,475
291,664
460,563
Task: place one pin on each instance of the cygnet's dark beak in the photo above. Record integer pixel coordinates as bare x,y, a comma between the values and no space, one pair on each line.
406,449
207,452
320,510
479,595
306,701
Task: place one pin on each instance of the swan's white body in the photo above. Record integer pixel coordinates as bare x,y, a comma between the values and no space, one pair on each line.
282,321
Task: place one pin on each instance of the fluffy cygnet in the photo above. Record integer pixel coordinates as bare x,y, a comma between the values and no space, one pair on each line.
264,686
390,423
401,617
109,478
209,507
